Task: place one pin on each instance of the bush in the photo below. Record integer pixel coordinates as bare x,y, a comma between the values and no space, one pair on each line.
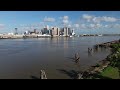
97,65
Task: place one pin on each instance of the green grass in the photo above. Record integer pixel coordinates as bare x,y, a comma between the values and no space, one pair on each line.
111,72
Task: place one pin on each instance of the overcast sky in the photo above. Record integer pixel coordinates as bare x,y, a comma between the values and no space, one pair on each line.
84,22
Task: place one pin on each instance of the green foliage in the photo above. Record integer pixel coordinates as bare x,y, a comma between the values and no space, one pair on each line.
115,46
97,65
111,72
115,57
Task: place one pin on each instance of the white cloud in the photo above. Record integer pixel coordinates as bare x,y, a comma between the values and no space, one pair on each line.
65,20
98,25
76,25
82,26
109,19
117,25
69,25
88,17
49,19
99,19
2,26
106,26
92,25
112,26
65,17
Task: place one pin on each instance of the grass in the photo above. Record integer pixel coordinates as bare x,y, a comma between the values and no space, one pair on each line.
111,72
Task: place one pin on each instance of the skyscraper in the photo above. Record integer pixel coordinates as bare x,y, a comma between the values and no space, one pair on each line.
55,31
66,31
16,31
58,31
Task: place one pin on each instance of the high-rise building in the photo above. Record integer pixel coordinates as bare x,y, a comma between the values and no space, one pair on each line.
69,31
66,31
62,31
58,31
55,31
35,31
16,30
50,32
45,31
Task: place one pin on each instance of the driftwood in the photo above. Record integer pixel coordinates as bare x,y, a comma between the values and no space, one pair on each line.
90,49
79,76
42,74
77,57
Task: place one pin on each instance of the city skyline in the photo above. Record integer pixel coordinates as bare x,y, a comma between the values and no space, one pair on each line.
83,22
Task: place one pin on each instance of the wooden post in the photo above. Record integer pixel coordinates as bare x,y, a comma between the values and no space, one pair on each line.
42,74
80,76
77,57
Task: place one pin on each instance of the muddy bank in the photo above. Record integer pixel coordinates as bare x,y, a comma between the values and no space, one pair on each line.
100,66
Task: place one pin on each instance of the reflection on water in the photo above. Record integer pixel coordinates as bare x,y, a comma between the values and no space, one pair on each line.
24,58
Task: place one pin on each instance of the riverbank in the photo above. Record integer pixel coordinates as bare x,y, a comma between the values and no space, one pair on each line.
109,68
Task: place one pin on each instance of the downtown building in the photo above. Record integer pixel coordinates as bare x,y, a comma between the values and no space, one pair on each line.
55,31
67,31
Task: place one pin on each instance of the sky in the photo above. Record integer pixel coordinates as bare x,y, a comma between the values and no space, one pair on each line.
83,22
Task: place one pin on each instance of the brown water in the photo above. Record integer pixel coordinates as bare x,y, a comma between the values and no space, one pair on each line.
24,58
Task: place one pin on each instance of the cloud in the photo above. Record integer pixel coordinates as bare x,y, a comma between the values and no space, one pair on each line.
112,25
76,25
65,20
87,17
65,17
106,26
2,26
98,25
92,25
69,25
117,25
49,19
109,19
83,26
99,19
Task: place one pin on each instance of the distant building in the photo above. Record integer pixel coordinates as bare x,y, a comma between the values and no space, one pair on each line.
10,33
69,31
55,31
62,31
66,31
35,31
73,33
45,31
58,31
16,31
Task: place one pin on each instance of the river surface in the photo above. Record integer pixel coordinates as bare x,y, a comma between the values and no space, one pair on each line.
24,58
